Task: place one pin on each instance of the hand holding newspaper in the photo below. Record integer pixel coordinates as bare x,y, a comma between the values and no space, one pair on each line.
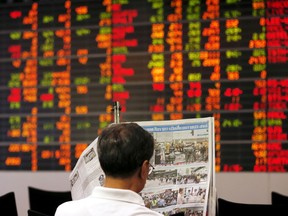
183,179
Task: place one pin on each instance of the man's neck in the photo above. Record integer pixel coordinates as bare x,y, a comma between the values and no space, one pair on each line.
122,183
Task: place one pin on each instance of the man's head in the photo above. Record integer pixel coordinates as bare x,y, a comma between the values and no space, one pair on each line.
123,148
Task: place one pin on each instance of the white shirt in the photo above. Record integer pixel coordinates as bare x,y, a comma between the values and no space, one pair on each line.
106,201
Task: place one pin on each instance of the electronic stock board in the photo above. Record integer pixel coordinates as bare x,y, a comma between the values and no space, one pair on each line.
63,63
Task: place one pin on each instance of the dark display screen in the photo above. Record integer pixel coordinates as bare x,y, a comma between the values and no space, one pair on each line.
64,63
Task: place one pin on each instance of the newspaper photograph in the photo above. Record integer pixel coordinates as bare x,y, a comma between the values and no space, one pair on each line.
183,161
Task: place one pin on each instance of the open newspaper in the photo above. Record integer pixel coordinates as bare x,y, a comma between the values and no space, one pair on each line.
184,176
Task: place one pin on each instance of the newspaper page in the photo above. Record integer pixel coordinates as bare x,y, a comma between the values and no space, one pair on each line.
183,161
184,168
87,173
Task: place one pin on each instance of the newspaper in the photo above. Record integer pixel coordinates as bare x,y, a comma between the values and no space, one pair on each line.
184,176
87,173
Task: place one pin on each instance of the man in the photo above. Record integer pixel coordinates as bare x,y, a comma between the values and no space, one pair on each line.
124,152
180,196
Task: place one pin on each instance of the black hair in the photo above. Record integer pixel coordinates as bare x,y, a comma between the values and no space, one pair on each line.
123,147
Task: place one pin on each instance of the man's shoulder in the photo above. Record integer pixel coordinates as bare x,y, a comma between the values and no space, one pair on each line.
70,208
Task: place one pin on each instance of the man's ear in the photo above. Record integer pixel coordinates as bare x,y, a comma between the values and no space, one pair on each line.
144,170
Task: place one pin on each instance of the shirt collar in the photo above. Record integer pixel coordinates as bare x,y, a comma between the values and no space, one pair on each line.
118,194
